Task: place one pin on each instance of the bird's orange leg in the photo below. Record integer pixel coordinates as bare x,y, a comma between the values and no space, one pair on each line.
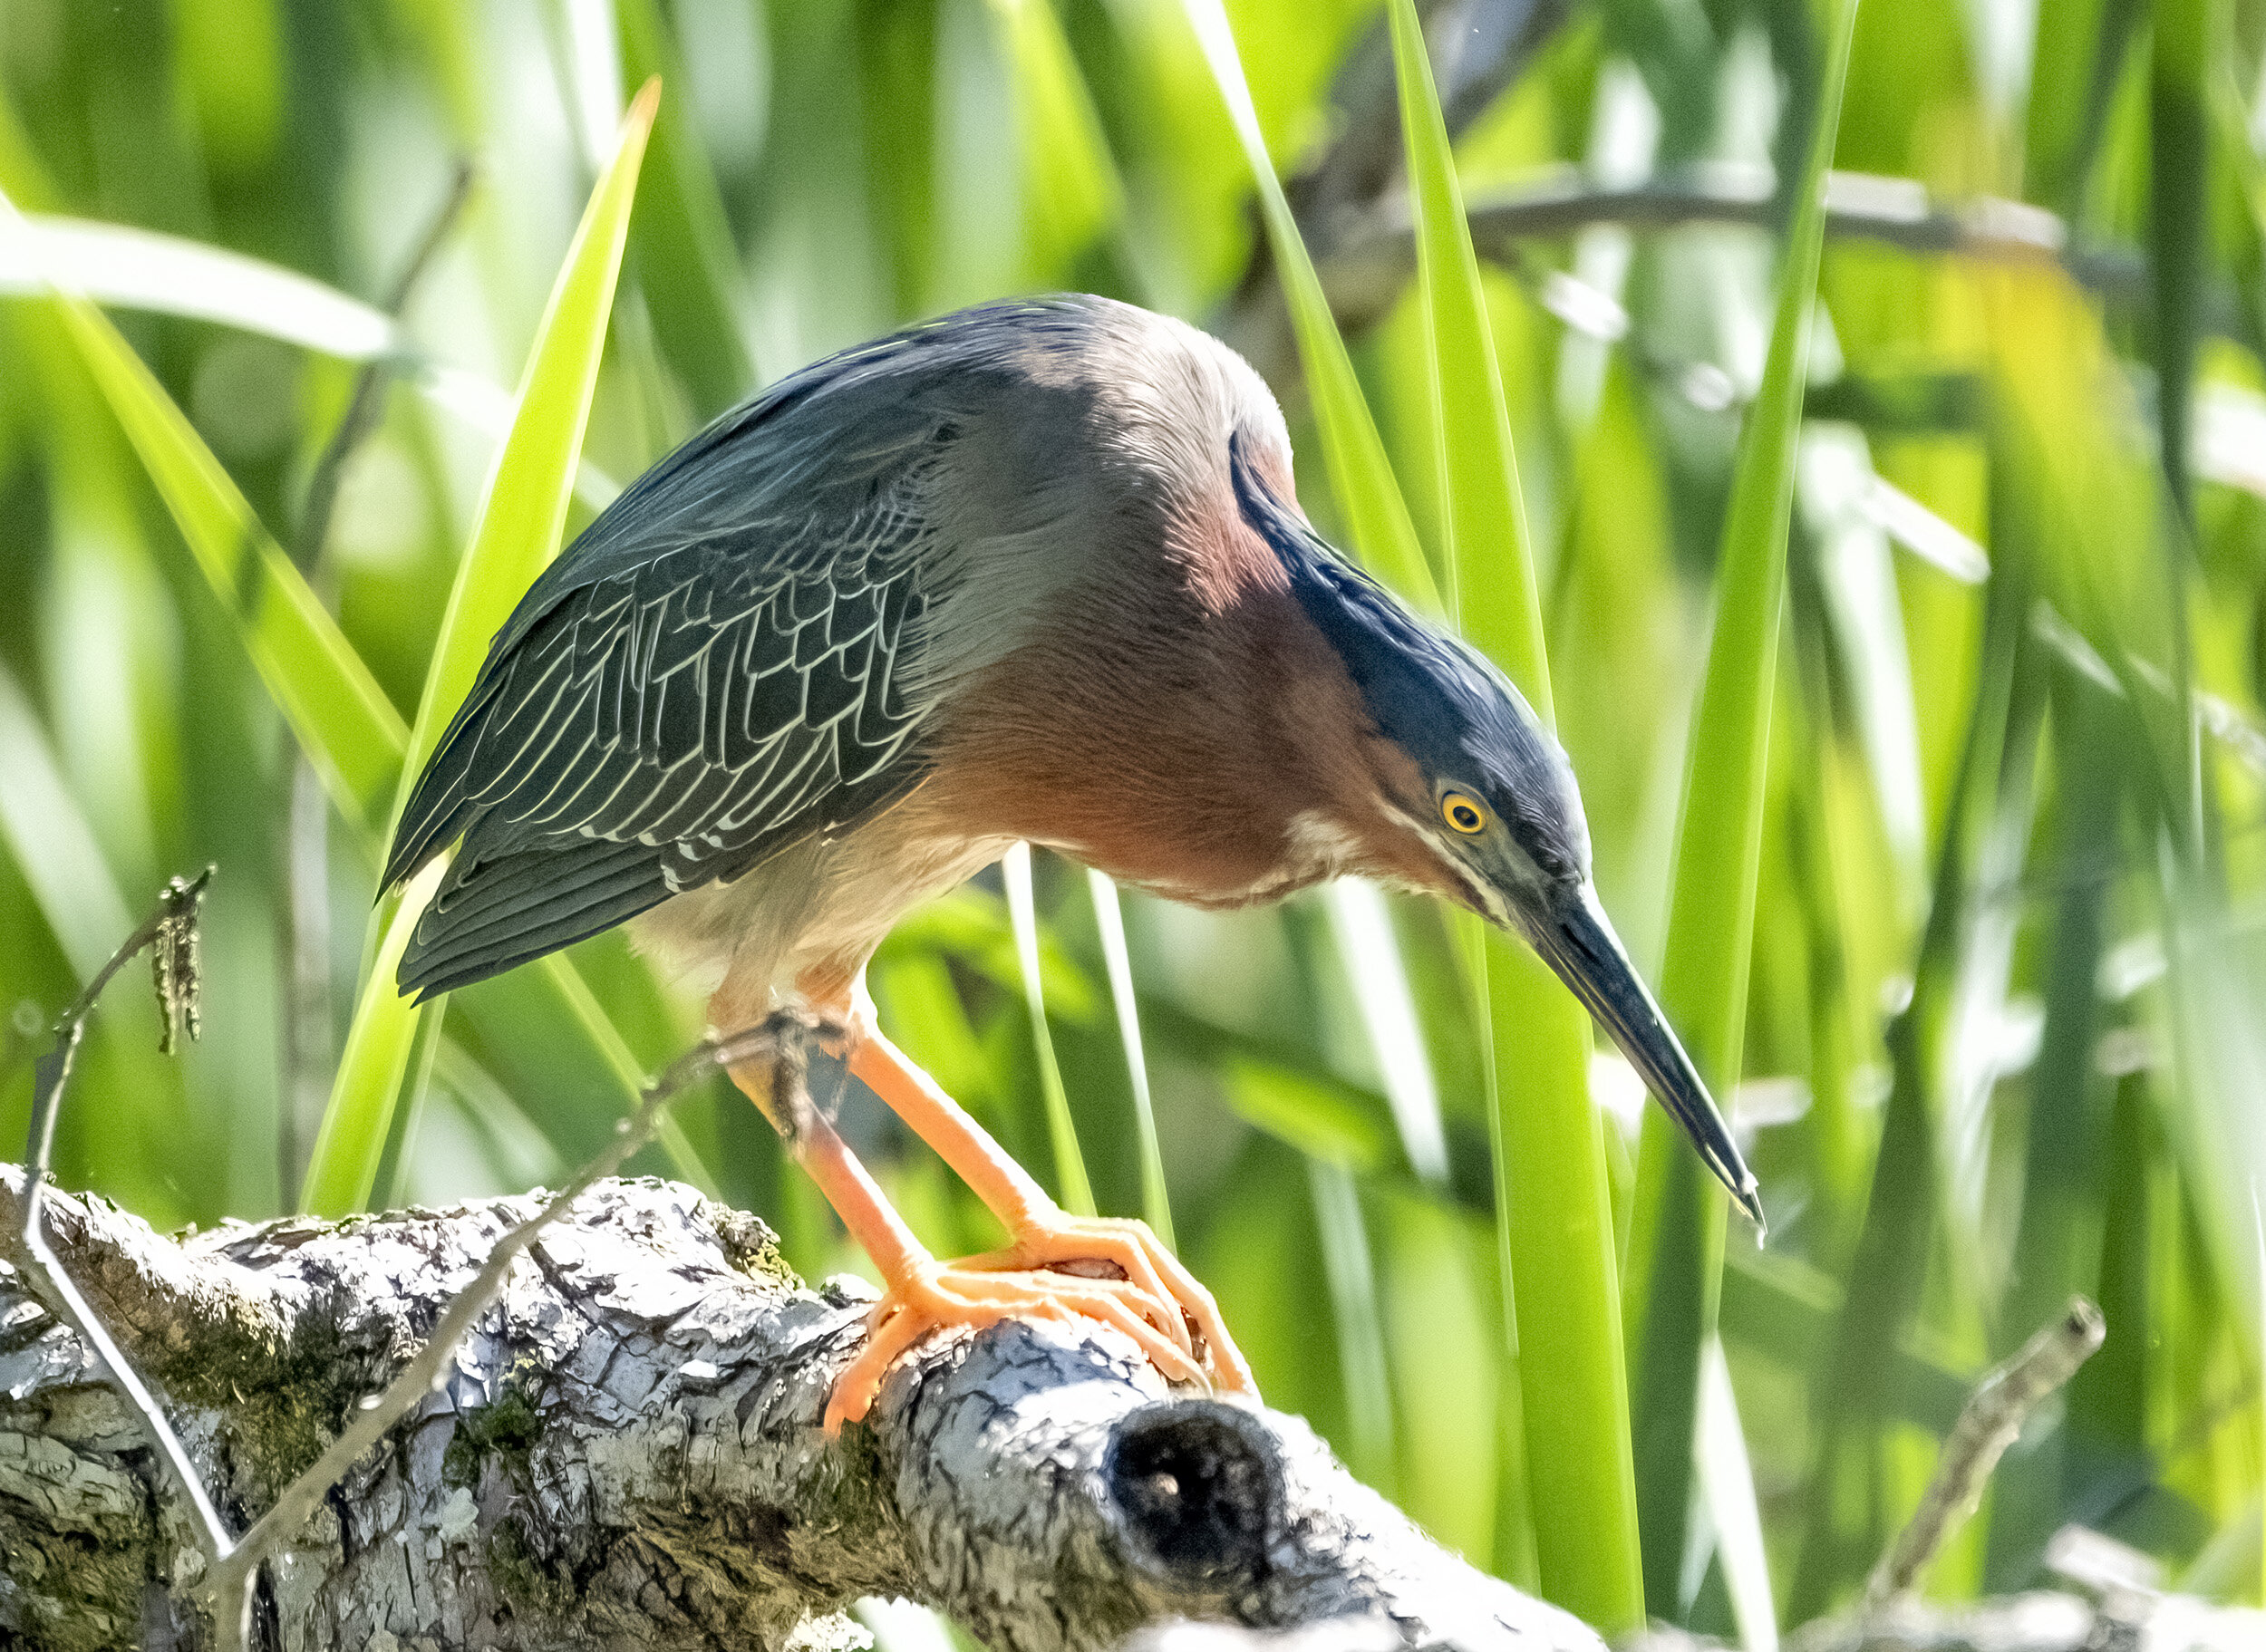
1041,1235
922,1293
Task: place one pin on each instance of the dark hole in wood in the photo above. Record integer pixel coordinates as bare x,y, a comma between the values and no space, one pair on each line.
1196,1487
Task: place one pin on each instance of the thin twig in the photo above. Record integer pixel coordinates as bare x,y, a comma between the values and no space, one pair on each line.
233,1563
1363,261
1987,1426
171,928
363,407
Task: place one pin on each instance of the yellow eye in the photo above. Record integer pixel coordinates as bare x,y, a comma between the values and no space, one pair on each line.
1463,813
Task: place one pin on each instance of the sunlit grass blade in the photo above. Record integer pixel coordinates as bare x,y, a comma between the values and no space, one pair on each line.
517,534
349,1145
343,719
1727,1484
144,269
1857,1364
589,1017
1069,1164
1070,192
51,842
1552,1202
1352,1272
1361,925
1361,476
124,266
686,264
1118,962
1676,1245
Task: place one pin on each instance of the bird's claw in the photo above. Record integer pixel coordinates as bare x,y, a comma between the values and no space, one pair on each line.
1172,1298
934,1295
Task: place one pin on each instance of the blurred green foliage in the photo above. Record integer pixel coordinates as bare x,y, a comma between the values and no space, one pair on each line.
2004,1033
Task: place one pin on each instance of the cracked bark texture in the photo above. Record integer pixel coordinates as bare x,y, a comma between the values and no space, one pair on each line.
627,1451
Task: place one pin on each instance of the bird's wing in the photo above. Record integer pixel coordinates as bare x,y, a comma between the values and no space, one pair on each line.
718,669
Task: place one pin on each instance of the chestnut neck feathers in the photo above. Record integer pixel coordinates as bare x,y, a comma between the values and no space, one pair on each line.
1175,716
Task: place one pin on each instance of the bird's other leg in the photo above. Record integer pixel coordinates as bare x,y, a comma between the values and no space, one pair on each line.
920,1293
1041,1235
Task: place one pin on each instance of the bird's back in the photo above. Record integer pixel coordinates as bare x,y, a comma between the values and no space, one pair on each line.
748,649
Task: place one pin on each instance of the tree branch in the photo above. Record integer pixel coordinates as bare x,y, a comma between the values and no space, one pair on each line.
1366,259
624,1450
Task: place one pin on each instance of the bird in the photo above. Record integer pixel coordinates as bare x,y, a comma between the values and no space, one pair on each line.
1034,571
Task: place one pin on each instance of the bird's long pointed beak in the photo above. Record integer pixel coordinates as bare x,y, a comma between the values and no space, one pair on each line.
1576,940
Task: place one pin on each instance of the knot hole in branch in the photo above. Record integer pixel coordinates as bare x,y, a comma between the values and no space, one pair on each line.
1196,1487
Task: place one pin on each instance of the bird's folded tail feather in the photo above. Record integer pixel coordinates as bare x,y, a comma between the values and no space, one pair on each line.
490,914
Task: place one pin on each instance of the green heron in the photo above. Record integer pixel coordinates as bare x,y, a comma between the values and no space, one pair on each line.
1033,572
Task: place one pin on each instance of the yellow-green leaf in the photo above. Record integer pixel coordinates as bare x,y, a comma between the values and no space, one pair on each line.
342,718
1360,475
1553,1212
517,532
1676,1249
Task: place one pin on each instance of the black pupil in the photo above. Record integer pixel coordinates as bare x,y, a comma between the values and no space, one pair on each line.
1466,817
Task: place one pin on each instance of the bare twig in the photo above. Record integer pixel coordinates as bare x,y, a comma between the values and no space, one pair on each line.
1989,1424
171,929
233,1563
1365,258
362,408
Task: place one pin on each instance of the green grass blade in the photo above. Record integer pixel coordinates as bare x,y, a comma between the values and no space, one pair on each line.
1490,568
517,532
350,1143
1069,1164
341,718
1360,475
1360,924
686,264
1350,1266
532,478
1727,1483
1676,1248
1070,193
47,835
1118,962
1857,1362
563,980
124,266
1554,1210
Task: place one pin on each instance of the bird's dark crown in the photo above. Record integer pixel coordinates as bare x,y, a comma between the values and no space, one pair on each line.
1462,721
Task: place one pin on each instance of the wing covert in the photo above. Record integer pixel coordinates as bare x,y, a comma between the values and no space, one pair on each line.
675,720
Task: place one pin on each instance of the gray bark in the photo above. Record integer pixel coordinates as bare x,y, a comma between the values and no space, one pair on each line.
627,1451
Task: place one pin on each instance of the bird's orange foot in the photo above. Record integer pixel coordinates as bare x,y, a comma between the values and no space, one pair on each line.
1059,1240
934,1295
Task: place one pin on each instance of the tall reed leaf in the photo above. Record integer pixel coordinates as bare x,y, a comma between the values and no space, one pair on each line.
1554,1210
340,715
124,266
687,267
1361,476
1676,1249
54,848
517,532
1077,1191
1117,961
1070,191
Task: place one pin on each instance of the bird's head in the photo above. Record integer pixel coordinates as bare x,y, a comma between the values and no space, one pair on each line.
1487,794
